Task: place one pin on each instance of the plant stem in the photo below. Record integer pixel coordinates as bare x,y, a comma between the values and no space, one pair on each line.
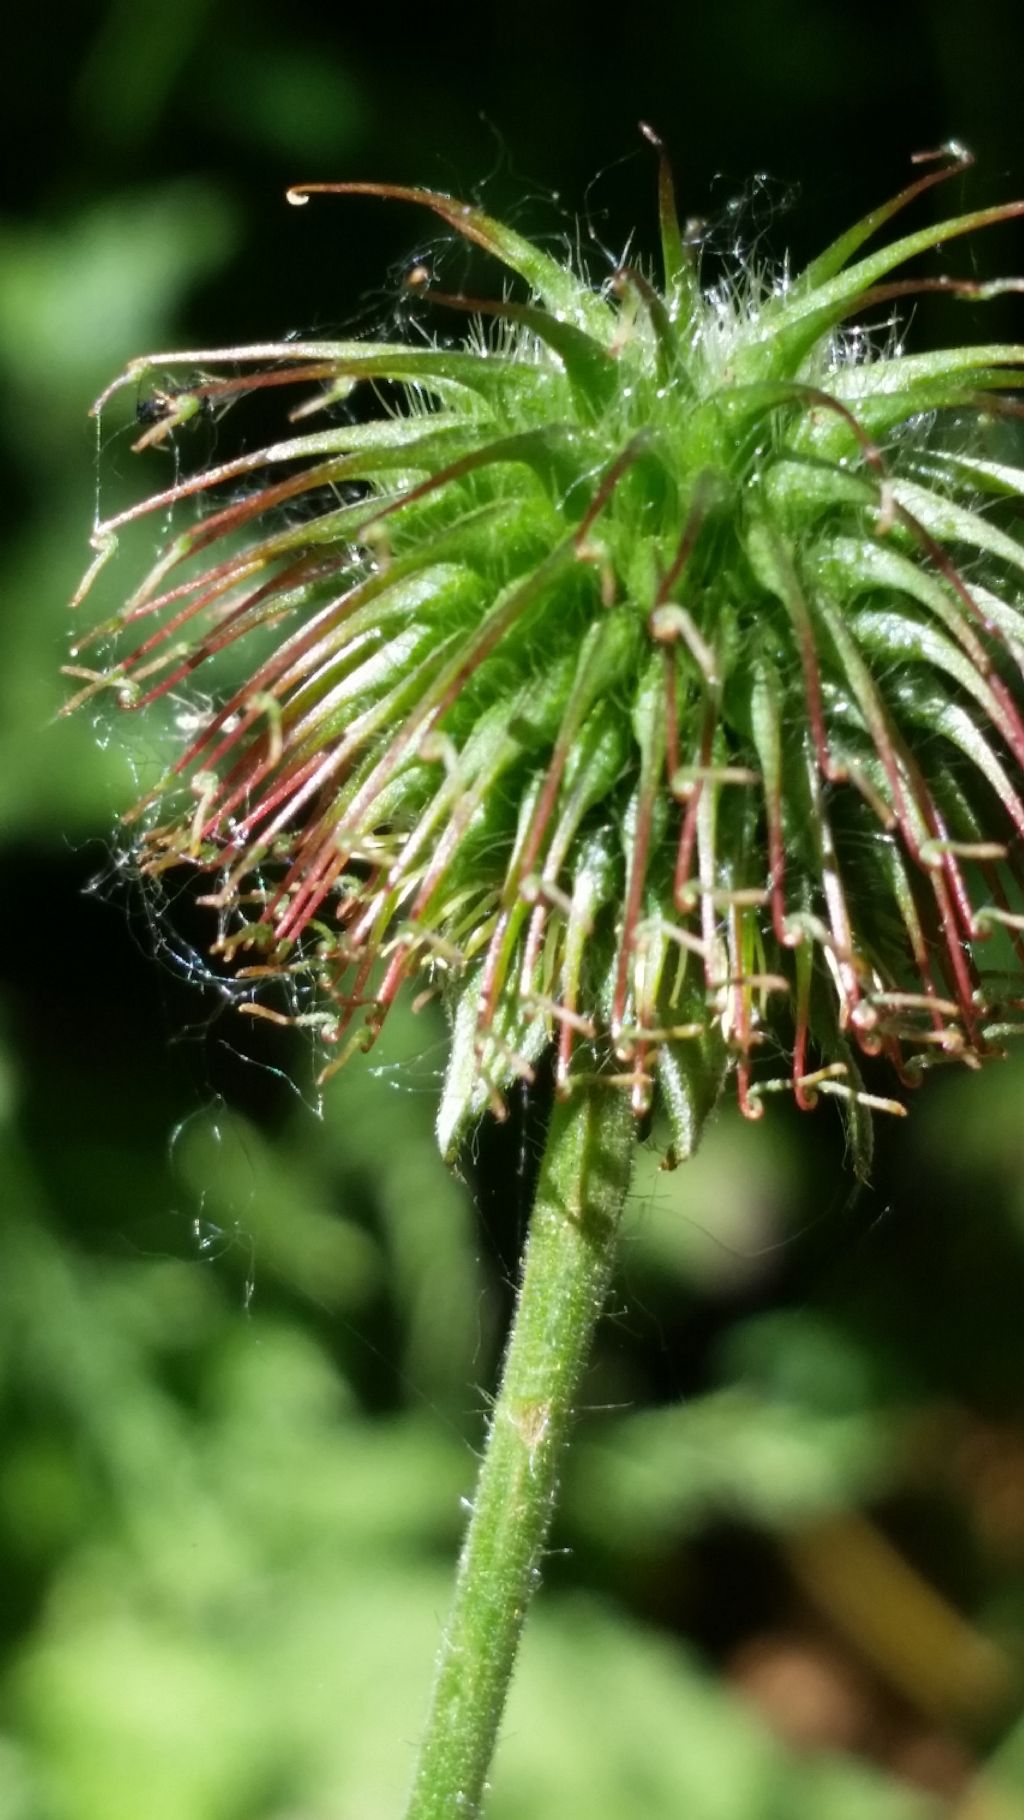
569,1256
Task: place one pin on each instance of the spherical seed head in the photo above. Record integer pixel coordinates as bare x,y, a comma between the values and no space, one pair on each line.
646,677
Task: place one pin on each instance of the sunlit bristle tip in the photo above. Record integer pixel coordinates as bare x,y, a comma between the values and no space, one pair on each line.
645,678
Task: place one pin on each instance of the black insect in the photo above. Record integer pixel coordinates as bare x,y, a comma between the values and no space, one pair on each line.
165,408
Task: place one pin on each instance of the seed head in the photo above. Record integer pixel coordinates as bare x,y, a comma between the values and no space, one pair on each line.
644,675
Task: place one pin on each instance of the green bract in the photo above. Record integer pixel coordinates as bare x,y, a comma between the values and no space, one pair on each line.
646,677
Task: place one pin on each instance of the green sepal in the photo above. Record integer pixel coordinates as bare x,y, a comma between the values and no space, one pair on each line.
470,1088
691,1076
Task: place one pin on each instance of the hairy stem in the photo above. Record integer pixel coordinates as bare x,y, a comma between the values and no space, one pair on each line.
571,1248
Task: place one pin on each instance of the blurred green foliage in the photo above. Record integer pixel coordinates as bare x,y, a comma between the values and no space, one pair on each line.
246,1342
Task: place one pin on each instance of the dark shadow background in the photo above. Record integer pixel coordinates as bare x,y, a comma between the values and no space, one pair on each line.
244,1350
